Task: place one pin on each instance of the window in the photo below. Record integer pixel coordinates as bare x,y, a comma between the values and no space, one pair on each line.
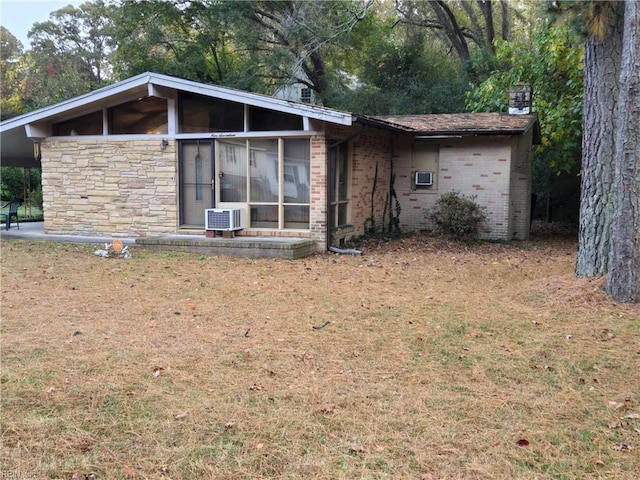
90,124
339,185
263,120
265,180
296,180
146,115
201,114
233,171
278,179
305,95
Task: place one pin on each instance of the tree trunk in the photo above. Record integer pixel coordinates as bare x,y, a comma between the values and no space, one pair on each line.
623,281
601,74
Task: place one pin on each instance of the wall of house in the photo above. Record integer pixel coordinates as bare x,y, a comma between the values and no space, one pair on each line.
478,166
109,187
318,192
371,164
521,187
369,149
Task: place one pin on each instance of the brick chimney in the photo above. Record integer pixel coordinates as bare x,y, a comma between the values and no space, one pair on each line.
520,99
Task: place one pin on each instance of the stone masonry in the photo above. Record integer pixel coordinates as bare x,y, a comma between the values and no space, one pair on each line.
109,187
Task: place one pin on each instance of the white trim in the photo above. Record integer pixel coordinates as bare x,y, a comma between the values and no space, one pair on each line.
191,136
267,134
152,80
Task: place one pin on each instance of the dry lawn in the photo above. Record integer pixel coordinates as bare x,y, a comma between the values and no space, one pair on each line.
438,362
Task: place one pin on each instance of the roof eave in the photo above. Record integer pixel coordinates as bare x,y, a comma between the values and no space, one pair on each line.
148,79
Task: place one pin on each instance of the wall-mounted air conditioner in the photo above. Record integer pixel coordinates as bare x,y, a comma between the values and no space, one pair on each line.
424,179
222,219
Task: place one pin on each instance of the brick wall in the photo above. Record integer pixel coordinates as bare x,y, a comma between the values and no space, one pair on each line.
369,150
318,193
109,187
478,166
521,187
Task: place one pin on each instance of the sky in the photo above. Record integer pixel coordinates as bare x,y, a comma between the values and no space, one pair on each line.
18,16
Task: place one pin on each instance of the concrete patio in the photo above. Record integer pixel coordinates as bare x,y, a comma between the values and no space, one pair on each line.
248,247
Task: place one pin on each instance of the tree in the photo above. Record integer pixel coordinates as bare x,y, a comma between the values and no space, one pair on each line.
289,41
550,61
397,69
11,74
602,68
193,40
610,164
69,53
469,27
623,281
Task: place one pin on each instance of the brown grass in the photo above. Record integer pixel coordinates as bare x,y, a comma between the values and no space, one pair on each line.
439,362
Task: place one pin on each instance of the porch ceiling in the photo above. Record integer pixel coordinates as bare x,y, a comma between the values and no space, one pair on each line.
16,149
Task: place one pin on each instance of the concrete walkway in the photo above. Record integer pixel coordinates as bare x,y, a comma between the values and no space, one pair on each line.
34,231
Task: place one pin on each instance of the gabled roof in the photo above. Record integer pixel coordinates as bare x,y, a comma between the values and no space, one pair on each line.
144,84
17,147
458,124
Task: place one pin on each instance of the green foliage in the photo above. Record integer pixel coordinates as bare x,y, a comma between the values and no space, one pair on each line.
458,215
12,184
11,74
392,70
551,62
69,53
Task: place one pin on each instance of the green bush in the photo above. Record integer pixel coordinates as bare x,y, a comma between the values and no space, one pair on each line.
457,215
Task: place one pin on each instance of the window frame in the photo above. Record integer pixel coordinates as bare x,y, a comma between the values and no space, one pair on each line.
337,152
282,202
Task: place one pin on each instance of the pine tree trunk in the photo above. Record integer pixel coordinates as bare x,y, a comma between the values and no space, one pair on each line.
601,72
623,280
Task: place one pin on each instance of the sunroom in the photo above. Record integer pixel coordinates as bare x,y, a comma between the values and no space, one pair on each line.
151,154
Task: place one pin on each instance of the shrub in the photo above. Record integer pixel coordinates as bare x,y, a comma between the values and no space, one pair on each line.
458,215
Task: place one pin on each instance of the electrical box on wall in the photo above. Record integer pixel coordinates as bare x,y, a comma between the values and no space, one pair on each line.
424,179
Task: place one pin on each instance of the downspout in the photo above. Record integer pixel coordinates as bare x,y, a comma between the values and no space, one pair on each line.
331,145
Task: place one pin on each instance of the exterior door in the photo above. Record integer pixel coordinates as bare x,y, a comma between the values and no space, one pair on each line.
197,186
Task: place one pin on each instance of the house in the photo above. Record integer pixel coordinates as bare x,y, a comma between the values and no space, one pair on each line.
147,156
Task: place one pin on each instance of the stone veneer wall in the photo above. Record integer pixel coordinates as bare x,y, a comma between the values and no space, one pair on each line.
109,187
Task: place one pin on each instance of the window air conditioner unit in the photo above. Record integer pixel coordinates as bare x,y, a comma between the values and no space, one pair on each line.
222,219
424,179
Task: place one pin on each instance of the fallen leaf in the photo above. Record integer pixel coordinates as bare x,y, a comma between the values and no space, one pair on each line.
327,409
128,471
633,416
522,442
354,448
616,405
613,425
180,416
623,447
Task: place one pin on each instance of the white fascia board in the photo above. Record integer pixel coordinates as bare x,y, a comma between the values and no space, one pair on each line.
254,99
76,102
152,80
